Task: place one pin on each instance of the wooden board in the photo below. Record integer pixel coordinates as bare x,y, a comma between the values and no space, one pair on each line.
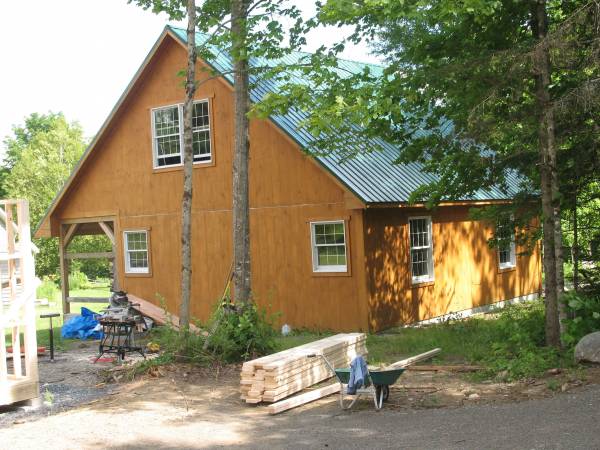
282,374
303,399
414,359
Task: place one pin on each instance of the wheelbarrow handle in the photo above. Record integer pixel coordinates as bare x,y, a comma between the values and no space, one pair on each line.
327,363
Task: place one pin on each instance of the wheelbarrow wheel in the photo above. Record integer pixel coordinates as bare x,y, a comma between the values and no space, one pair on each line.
386,392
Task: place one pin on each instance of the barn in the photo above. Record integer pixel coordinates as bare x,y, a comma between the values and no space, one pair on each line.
334,244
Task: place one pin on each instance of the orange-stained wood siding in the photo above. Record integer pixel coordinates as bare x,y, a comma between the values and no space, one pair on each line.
287,191
466,272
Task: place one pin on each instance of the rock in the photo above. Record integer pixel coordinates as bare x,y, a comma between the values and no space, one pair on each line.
474,397
502,376
588,348
554,371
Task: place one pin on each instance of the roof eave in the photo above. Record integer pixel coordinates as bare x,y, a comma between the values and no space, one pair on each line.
44,228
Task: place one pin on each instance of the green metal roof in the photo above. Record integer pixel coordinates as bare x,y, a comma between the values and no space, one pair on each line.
372,176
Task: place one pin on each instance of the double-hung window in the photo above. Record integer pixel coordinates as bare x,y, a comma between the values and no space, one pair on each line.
136,251
421,249
329,246
506,245
167,134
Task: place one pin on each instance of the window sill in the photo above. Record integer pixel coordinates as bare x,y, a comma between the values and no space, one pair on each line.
138,274
323,273
424,283
507,269
180,167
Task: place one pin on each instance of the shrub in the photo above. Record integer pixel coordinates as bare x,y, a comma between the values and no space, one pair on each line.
47,289
241,332
518,345
584,316
78,280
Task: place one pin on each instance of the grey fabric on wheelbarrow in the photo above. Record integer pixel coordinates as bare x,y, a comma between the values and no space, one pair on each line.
358,374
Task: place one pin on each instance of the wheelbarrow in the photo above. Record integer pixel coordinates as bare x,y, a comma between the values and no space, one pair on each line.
377,384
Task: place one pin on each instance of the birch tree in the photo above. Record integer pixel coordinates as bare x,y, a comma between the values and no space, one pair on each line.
188,166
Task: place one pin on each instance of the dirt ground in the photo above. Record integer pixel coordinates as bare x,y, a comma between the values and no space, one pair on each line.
195,407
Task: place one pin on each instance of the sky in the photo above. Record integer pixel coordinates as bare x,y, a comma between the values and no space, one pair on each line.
77,56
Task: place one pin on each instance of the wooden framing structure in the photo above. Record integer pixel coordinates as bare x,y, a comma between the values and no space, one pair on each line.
80,227
18,378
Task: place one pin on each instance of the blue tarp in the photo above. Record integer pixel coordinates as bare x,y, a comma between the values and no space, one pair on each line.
82,327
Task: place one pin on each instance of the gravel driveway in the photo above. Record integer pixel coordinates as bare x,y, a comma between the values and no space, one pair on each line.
207,413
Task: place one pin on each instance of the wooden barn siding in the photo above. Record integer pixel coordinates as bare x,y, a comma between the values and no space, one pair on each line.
287,190
465,268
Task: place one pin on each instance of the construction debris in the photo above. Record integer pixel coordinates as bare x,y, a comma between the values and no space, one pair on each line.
282,374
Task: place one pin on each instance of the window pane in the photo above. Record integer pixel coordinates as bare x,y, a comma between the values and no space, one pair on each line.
136,241
201,144
419,262
166,146
166,121
331,255
504,256
138,260
200,116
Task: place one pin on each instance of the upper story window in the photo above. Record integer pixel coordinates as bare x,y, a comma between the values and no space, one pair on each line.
505,234
167,134
421,249
329,246
136,251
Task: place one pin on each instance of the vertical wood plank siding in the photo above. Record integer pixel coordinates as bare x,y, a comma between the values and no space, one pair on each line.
287,191
465,268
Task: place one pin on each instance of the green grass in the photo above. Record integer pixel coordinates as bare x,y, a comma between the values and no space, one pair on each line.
55,305
461,342
509,342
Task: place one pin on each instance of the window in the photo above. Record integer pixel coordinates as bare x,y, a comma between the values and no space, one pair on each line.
167,139
136,251
167,134
329,246
421,249
506,245
201,132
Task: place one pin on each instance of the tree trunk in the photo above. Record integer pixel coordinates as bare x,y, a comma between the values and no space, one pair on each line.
575,247
241,148
560,271
547,168
188,162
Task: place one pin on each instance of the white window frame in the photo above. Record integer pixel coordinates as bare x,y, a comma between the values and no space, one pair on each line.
317,268
430,276
179,107
512,263
126,251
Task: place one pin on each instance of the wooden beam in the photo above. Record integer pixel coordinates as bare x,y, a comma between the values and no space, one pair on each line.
414,359
88,299
69,234
450,368
303,399
89,220
96,255
109,233
64,267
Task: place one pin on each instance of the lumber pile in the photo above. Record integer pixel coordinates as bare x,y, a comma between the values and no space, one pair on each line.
282,374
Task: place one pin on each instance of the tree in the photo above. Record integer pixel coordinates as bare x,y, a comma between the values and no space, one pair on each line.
478,93
40,158
245,29
188,167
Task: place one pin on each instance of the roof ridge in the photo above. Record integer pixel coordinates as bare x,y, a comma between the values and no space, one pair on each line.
353,61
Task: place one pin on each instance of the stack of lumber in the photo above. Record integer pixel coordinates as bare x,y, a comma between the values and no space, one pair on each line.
282,374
